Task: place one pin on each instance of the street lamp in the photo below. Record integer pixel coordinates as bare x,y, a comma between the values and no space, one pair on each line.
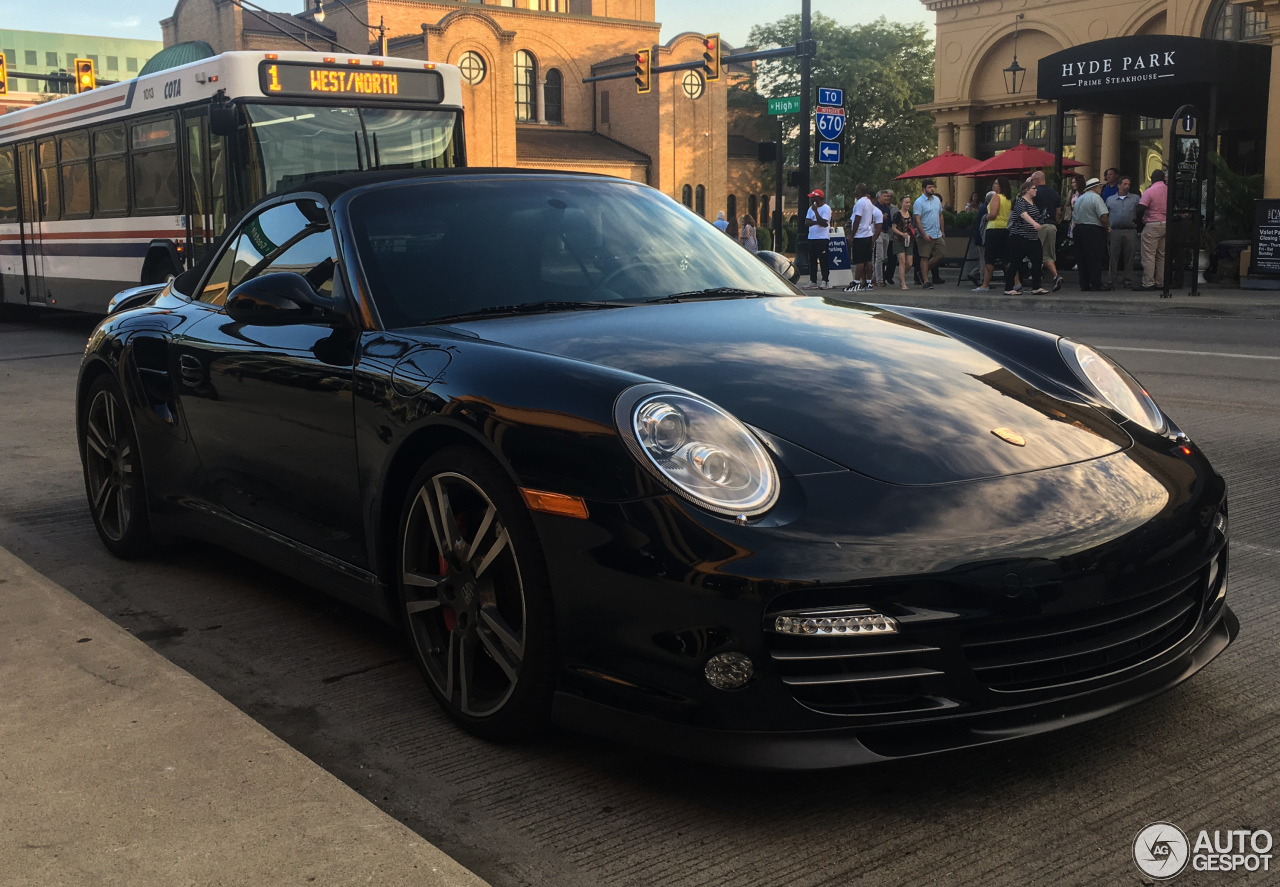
1014,75
317,14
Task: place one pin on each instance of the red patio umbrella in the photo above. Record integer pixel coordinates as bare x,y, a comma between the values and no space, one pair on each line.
948,163
1023,158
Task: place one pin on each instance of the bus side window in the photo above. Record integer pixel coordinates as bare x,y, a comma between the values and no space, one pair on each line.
218,287
110,172
47,158
73,154
156,181
8,186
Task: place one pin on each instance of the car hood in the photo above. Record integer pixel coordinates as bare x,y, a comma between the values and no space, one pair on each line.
865,387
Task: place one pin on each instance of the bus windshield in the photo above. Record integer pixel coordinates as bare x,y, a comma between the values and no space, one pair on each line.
284,145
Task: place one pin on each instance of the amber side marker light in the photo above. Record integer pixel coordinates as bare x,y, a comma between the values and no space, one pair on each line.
272,56
555,503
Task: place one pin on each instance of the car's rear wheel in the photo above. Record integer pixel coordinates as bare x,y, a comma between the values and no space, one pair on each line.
475,596
113,472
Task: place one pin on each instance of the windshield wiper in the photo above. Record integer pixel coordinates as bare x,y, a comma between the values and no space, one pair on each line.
546,307
717,292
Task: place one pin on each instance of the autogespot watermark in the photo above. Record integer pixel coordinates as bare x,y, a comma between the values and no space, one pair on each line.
1162,850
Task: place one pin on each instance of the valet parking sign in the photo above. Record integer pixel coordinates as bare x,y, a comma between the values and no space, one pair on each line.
1162,850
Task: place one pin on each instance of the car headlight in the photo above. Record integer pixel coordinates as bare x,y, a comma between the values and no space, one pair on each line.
698,450
1113,385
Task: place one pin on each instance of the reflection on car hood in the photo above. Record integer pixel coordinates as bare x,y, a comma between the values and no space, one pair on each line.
865,387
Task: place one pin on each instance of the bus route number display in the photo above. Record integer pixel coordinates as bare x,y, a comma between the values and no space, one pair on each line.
299,79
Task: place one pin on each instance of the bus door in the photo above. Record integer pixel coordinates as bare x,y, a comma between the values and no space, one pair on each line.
29,224
206,184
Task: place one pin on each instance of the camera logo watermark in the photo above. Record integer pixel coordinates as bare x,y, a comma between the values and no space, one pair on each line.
1162,850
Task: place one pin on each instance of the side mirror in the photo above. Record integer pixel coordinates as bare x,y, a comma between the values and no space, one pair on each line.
223,119
781,265
276,300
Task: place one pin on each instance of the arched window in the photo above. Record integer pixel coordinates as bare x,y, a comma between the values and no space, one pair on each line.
731,206
1226,21
686,196
752,206
764,218
526,77
700,201
553,95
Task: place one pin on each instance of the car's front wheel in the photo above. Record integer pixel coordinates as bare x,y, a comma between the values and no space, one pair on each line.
475,596
113,471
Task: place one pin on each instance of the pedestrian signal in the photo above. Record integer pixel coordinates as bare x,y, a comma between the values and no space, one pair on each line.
86,79
4,74
644,70
711,56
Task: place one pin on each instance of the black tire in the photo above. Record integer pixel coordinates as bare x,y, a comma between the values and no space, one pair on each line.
113,478
477,606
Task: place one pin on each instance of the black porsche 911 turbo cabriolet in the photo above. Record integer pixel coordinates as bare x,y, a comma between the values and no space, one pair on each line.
610,471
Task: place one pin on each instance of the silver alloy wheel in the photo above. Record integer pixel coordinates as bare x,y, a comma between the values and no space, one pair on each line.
109,461
464,595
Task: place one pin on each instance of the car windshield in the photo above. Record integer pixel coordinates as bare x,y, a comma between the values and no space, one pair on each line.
454,247
290,144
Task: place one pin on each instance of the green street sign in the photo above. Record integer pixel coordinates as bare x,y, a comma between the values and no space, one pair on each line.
788,105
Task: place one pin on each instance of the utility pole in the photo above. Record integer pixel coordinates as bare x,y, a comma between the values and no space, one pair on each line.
806,105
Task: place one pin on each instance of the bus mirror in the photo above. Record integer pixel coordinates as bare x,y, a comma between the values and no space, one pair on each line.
223,119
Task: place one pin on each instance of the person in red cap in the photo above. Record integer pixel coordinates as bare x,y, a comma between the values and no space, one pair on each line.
819,223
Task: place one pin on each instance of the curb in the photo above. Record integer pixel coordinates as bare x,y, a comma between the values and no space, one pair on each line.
1179,305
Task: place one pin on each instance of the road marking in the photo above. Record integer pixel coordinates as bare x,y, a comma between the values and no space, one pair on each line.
1192,353
43,356
1261,549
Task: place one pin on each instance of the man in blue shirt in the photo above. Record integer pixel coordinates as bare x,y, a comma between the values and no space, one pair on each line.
1122,209
927,213
1112,186
721,223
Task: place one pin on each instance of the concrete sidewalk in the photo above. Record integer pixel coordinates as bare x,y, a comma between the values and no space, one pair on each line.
118,767
1213,301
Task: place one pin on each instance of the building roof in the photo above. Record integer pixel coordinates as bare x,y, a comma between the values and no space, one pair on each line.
176,55
552,143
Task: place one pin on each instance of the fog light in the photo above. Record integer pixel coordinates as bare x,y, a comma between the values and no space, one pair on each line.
835,622
729,671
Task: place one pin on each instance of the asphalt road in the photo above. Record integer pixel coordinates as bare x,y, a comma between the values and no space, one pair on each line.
572,811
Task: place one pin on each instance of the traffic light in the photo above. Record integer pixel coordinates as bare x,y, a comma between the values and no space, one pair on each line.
86,79
644,70
711,56
4,74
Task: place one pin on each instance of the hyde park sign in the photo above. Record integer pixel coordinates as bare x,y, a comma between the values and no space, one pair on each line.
1125,69
1164,66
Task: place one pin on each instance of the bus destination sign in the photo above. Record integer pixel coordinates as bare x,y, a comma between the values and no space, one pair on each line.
299,78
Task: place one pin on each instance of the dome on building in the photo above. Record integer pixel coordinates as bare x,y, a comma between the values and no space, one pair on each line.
177,55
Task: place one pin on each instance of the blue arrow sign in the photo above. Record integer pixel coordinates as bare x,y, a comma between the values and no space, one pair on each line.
833,97
828,152
830,125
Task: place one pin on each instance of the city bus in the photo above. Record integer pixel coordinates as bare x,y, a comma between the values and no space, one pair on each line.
132,183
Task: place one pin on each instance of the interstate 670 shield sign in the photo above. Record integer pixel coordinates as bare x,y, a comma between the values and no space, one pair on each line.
830,122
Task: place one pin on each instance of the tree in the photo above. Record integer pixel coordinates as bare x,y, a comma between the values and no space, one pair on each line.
885,70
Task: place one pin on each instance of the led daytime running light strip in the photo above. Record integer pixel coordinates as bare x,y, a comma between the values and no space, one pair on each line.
818,624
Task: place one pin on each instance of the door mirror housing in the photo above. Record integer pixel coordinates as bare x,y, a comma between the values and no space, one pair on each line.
223,119
278,299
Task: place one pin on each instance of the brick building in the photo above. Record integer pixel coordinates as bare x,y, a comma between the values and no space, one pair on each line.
523,64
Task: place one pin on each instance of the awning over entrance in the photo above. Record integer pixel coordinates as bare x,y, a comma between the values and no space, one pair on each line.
1154,75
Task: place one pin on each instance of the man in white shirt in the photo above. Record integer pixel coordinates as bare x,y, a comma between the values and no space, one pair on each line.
818,220
862,244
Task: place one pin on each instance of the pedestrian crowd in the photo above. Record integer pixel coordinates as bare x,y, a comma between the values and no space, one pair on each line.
1111,225
884,237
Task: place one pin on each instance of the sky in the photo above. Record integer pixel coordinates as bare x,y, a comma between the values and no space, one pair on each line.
732,19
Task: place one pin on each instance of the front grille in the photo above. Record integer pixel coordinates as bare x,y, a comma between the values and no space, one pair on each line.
1047,651
859,675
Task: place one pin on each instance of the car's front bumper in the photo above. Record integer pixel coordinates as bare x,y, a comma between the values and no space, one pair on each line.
847,746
